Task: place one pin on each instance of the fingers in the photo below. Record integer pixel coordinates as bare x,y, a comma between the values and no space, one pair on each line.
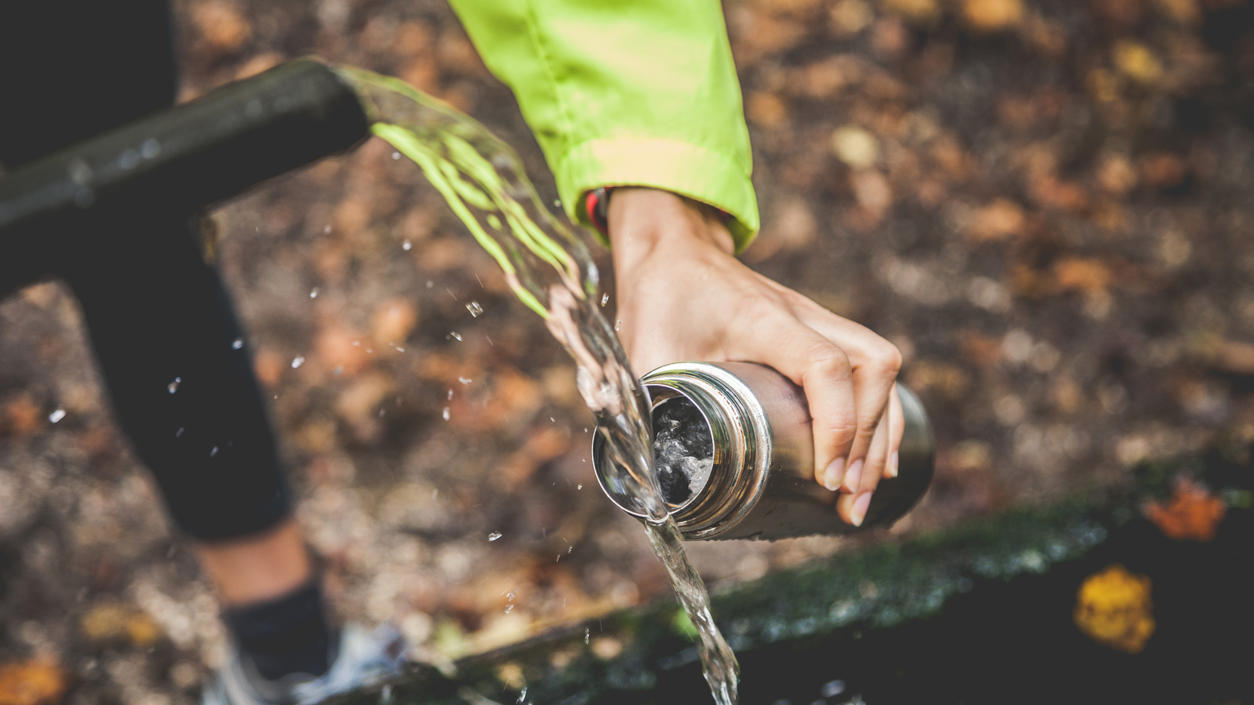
875,363
823,370
828,384
896,429
872,384
852,507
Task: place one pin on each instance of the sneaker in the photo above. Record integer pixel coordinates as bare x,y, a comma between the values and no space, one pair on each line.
362,658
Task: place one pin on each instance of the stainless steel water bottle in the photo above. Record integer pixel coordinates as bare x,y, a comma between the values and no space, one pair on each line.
745,463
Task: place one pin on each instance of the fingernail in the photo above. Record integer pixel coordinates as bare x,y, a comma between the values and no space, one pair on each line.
834,473
893,460
854,475
858,512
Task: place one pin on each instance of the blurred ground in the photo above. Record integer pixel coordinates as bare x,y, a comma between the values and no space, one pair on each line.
1044,204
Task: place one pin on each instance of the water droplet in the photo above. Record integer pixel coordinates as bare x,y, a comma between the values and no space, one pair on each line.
579,487
313,293
465,380
618,325
326,230
129,159
213,451
450,395
407,246
397,348
587,634
454,335
57,415
396,156
150,148
430,283
475,309
179,433
831,689
297,361
237,344
494,536
522,697
605,299
446,414
173,387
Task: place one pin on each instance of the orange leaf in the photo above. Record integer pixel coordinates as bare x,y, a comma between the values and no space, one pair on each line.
1191,514
31,683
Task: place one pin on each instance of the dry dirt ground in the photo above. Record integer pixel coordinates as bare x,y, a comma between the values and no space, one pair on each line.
1044,204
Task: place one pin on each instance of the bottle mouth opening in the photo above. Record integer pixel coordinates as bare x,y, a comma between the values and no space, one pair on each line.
683,452
683,449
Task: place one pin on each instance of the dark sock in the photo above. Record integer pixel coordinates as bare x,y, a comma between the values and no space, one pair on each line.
288,634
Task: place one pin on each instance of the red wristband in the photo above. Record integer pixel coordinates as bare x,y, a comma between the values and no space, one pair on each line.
597,205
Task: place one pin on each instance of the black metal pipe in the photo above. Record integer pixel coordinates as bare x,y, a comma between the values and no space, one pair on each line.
175,163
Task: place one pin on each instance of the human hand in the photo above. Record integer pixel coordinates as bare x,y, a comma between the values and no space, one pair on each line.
682,295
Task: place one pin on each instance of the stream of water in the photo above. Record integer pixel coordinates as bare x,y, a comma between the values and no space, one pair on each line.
550,271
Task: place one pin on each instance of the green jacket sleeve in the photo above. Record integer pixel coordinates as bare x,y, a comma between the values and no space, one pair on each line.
625,92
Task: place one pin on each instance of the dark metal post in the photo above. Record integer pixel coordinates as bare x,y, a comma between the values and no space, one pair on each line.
175,162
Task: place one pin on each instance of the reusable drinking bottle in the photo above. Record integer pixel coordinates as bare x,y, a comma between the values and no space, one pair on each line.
754,425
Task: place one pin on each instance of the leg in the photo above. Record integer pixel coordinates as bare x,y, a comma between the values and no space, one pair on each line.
172,356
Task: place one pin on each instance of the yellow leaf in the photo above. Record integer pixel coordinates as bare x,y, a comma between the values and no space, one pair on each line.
1113,608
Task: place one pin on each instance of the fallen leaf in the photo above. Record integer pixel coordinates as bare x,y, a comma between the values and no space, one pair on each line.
992,15
996,221
393,321
356,405
850,16
220,25
119,622
855,146
1192,513
765,109
269,366
1116,175
22,415
1082,274
1113,608
1163,170
31,683
1137,62
338,347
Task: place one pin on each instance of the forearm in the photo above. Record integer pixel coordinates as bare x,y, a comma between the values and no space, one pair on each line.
640,219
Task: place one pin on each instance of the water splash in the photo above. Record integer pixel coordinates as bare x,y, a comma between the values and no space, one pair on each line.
549,269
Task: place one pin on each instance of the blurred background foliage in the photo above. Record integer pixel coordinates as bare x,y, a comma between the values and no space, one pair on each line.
1043,203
